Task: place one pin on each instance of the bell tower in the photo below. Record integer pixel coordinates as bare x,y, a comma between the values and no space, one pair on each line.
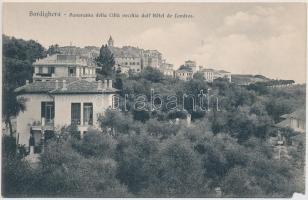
110,42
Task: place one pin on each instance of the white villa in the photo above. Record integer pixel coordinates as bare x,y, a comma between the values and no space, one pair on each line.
167,69
211,74
184,74
61,100
63,65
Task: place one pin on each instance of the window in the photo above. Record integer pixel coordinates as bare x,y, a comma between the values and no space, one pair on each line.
71,72
48,112
84,70
51,70
75,113
88,114
40,70
115,102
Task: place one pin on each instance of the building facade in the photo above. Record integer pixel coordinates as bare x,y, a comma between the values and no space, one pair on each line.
51,105
184,74
167,69
63,66
151,58
211,74
134,58
222,74
192,65
208,74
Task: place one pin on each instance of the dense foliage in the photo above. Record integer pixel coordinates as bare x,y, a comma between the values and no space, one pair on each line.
105,62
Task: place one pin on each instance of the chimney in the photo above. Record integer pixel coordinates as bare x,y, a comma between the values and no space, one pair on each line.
57,84
27,82
64,85
99,85
110,84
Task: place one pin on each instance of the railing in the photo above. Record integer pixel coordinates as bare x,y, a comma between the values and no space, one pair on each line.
43,75
46,124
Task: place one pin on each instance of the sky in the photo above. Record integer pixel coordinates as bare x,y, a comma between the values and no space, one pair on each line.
243,38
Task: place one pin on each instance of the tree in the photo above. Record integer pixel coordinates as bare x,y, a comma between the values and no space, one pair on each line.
134,152
176,171
105,61
199,75
18,56
152,74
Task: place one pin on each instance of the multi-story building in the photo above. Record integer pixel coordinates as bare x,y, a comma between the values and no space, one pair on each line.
211,74
167,69
185,74
151,58
191,64
63,66
134,58
127,57
222,74
208,74
51,105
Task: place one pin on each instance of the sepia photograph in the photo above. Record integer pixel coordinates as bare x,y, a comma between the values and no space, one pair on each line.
153,100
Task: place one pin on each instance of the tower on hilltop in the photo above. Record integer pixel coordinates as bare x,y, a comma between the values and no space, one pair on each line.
110,42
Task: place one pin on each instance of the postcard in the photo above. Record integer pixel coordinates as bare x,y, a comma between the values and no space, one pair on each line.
159,100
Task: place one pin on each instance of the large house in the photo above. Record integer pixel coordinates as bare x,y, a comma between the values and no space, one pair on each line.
134,58
192,65
61,100
211,74
190,68
184,74
62,66
167,69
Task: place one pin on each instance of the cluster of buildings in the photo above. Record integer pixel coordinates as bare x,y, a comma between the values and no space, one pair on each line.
187,71
128,58
65,91
132,58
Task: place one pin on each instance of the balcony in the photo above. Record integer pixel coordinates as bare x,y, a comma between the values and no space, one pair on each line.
47,125
43,75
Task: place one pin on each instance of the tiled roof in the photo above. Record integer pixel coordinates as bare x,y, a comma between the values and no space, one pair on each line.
298,114
283,124
72,87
